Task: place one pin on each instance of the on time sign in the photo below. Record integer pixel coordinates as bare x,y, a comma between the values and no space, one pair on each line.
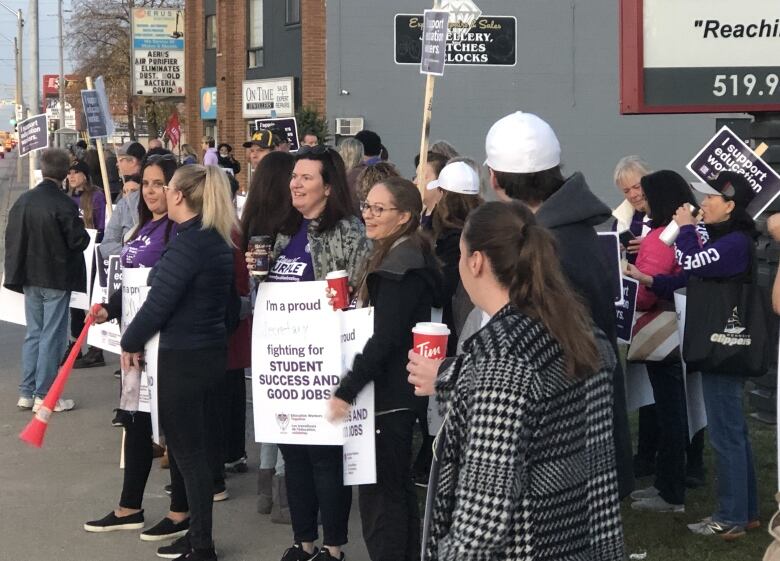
680,56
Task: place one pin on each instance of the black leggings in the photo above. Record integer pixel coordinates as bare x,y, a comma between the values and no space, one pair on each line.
188,404
233,413
138,464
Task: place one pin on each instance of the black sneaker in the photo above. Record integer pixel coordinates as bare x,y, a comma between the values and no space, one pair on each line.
166,529
200,555
117,373
67,352
324,555
168,489
296,553
93,358
112,522
121,418
177,549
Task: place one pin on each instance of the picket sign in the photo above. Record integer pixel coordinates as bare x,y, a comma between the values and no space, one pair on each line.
694,395
108,279
80,300
301,348
134,293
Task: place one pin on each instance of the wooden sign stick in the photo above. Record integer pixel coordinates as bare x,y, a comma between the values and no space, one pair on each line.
430,81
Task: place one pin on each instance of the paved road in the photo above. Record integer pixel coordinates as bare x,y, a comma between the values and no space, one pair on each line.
47,494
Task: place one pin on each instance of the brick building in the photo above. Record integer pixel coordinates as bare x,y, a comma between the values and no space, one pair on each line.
233,45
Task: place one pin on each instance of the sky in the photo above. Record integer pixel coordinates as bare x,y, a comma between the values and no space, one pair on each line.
48,49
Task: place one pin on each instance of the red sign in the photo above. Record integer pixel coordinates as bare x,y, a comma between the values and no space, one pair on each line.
51,83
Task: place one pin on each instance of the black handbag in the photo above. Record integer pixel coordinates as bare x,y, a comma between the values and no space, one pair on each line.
728,327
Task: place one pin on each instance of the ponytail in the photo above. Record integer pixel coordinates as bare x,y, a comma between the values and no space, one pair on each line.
524,260
206,192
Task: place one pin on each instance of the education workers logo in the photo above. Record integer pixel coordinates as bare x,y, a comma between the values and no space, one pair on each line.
283,420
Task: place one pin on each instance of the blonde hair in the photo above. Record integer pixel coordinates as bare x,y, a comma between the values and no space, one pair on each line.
630,164
351,151
206,191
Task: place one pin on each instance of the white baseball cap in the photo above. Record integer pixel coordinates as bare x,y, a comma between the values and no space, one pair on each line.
522,143
458,177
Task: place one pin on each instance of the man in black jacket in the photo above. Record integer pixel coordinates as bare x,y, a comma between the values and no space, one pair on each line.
44,243
523,155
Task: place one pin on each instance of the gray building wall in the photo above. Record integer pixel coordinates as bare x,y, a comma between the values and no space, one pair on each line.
281,46
567,72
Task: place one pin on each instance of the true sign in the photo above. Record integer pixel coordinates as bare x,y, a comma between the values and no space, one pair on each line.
434,42
727,152
93,111
286,126
33,134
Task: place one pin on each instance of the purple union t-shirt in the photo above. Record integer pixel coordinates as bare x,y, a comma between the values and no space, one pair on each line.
294,264
147,247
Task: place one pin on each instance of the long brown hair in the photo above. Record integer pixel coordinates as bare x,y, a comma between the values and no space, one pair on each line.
86,201
523,258
405,198
451,211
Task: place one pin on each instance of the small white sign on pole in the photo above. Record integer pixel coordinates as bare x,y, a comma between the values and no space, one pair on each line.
80,300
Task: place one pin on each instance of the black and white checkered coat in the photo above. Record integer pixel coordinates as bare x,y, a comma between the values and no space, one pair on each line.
527,471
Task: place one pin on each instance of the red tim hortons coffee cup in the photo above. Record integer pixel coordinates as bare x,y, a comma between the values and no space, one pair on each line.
430,339
339,281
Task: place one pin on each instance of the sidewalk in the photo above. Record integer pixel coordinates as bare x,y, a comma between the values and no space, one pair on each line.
48,493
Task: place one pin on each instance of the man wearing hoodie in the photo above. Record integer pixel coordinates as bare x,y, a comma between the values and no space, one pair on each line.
211,156
523,155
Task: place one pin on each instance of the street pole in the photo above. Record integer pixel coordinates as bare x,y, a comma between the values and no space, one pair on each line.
35,97
19,108
62,68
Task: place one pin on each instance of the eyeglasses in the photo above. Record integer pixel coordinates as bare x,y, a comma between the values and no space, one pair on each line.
151,185
318,150
154,158
375,210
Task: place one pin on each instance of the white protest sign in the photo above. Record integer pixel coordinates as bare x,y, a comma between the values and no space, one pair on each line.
296,364
610,244
134,292
12,306
80,300
694,394
106,335
357,326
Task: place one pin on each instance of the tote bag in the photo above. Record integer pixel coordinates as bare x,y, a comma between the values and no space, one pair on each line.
728,328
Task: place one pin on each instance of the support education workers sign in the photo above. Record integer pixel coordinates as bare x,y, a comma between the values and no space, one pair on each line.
726,152
492,41
158,52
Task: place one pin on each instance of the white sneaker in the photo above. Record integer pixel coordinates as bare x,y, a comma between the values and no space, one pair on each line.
61,405
656,504
25,403
646,493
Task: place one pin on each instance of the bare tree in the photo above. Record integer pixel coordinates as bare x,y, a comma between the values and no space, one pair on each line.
100,43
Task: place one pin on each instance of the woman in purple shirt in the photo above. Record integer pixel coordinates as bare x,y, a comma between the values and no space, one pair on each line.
90,200
144,249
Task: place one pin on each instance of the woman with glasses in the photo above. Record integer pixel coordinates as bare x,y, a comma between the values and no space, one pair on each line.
191,289
144,249
320,234
402,284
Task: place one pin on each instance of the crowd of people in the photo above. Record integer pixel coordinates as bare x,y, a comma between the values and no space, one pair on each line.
534,455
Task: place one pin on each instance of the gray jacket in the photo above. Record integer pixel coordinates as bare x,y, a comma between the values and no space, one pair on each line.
123,220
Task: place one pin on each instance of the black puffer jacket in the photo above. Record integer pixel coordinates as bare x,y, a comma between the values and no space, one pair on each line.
190,289
403,290
44,241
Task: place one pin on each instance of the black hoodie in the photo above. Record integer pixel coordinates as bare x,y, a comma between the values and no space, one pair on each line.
402,290
571,214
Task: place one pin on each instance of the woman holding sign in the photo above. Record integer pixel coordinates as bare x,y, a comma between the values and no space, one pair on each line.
144,248
402,284
665,191
187,304
527,465
320,235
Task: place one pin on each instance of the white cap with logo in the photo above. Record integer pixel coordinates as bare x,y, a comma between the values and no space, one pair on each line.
522,143
458,177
